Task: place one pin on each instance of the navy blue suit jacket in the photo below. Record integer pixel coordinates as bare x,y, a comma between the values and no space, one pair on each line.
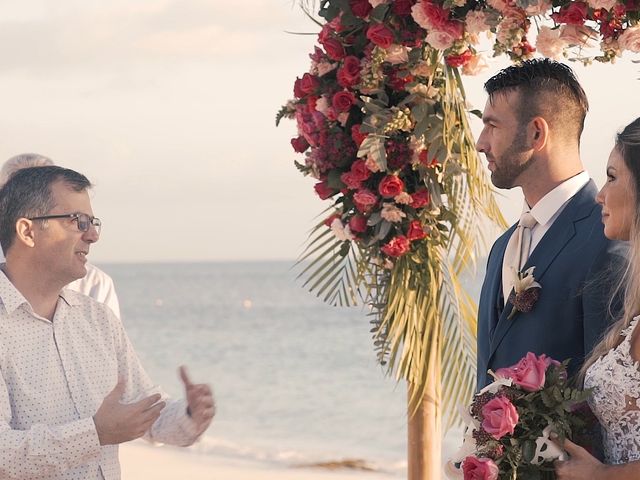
577,266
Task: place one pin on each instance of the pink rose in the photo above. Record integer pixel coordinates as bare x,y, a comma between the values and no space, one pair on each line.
364,199
323,190
360,8
500,417
380,35
442,39
349,73
415,231
334,49
390,186
358,224
475,468
397,246
342,101
529,372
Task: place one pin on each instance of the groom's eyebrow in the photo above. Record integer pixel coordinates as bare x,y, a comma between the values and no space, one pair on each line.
488,119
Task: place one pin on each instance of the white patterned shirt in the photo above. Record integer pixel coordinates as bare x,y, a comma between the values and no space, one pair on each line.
99,286
55,375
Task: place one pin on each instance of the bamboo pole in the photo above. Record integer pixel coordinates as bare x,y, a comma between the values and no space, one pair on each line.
424,446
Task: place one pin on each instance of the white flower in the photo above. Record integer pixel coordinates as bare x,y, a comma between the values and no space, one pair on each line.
397,54
549,43
403,198
391,213
323,104
340,231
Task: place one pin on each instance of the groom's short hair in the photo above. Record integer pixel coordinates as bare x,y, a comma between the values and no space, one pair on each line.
547,89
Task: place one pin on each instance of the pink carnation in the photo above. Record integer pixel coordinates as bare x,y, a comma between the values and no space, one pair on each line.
598,4
630,39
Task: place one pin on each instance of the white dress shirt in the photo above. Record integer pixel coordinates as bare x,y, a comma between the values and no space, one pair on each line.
55,375
546,211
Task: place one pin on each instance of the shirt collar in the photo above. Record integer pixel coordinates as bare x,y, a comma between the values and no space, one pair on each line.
552,202
12,298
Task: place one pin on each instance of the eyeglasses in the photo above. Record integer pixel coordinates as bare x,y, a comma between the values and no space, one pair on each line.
83,220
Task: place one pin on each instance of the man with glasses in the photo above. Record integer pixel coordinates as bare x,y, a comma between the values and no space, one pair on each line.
72,386
96,283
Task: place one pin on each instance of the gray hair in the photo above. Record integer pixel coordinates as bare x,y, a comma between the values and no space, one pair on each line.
24,160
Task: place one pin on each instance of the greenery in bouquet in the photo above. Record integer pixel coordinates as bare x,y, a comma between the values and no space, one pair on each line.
516,423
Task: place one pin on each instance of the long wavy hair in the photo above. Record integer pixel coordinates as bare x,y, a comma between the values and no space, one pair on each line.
628,145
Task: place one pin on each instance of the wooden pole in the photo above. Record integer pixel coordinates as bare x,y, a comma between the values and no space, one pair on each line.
424,447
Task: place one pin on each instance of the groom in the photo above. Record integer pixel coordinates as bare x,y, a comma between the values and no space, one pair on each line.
533,120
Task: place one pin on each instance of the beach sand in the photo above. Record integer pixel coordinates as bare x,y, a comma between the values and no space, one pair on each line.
141,461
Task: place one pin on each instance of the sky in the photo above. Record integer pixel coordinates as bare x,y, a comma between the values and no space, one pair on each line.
168,106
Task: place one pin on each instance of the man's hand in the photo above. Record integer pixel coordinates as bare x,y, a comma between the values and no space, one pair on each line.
119,423
200,400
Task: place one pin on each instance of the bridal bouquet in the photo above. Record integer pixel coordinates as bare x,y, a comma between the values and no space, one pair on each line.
510,422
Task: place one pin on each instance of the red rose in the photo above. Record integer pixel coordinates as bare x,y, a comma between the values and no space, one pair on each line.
351,181
364,199
309,83
390,186
415,231
475,468
360,8
420,198
329,220
459,60
360,171
402,7
323,190
380,35
334,49
357,136
398,79
349,73
299,144
397,246
358,224
574,13
424,159
342,101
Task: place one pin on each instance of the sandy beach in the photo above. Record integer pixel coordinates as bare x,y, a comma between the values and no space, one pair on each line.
141,461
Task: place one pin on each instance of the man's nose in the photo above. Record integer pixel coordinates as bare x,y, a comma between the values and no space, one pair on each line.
91,235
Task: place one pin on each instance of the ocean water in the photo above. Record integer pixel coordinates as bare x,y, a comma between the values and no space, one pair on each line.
295,380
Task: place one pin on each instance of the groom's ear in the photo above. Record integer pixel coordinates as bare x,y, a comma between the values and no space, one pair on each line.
538,133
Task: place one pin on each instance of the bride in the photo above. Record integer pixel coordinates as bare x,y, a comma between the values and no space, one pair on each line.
613,369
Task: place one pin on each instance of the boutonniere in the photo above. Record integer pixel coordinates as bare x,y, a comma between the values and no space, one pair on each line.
526,291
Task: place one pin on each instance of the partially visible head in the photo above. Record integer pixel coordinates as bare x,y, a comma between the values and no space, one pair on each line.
620,195
18,162
529,104
39,191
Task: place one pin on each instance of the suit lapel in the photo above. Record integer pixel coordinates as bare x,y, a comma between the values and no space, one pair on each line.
550,246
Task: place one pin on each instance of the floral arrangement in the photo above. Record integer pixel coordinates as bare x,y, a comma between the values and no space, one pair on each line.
512,423
383,128
526,291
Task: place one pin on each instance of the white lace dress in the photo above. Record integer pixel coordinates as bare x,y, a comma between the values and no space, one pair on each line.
615,380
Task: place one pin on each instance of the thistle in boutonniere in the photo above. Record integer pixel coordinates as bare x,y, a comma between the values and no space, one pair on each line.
526,291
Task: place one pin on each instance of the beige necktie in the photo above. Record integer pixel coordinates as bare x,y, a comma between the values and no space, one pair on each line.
517,252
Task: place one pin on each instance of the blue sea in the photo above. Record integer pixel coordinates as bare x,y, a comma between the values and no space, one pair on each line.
295,380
